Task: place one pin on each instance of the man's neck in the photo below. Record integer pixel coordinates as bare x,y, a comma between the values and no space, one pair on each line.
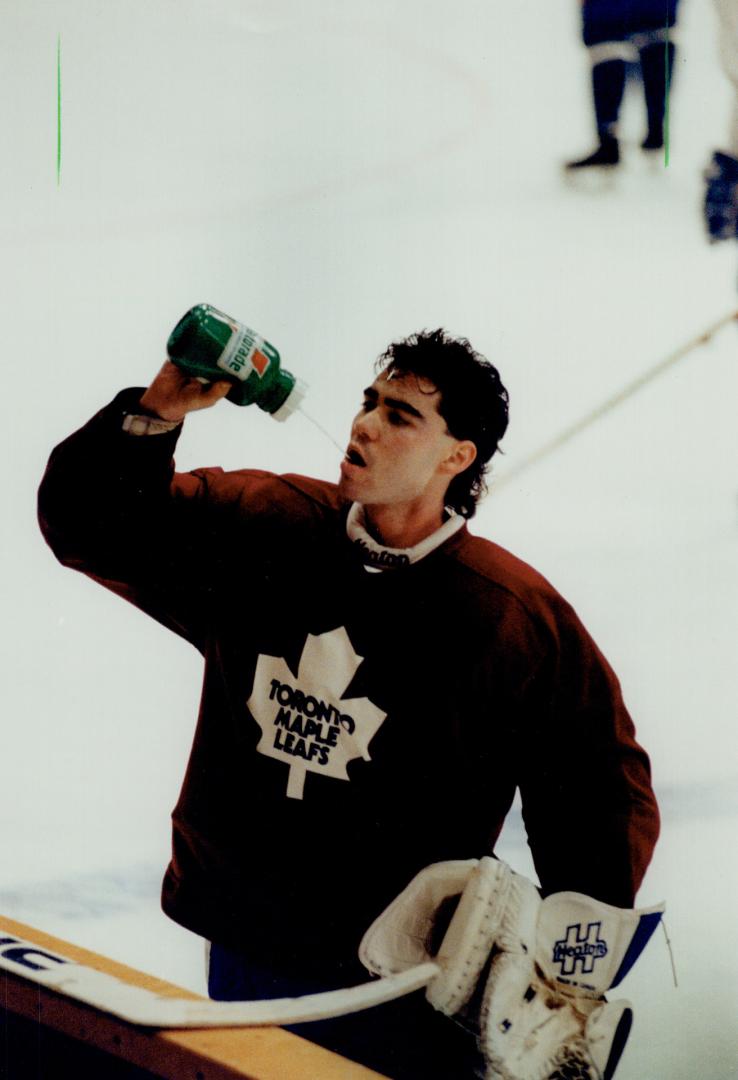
401,527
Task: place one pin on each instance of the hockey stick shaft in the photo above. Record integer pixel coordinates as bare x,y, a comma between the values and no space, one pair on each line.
614,400
136,1005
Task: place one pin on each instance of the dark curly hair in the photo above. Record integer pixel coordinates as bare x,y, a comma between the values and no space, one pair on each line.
474,403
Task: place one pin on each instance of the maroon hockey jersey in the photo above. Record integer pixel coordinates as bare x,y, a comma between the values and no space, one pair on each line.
353,726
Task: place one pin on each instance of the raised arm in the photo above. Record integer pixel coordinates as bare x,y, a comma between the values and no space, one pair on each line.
109,508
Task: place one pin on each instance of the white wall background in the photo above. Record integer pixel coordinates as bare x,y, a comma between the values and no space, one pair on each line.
338,174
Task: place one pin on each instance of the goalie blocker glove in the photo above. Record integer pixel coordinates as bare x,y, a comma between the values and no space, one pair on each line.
532,973
721,197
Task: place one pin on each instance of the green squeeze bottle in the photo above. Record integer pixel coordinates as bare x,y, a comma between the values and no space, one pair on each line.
209,345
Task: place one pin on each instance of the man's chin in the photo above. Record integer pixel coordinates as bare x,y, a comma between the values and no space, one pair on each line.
348,490
350,483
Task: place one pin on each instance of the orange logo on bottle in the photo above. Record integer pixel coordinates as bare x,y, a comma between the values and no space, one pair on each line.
260,362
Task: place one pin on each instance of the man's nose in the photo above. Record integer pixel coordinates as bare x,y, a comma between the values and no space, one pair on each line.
366,426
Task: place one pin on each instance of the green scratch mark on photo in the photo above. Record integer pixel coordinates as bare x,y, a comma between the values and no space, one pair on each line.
58,110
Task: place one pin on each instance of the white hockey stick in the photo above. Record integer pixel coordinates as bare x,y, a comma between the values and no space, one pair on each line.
136,1005
614,400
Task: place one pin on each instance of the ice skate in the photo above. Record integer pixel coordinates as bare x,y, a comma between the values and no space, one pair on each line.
606,156
654,140
597,171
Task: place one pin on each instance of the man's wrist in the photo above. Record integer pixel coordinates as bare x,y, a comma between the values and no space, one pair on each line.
152,404
147,423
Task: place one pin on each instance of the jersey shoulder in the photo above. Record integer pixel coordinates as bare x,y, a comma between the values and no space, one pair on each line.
289,499
320,492
263,489
499,570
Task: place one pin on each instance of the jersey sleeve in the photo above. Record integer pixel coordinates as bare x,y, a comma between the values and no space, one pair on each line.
111,506
588,804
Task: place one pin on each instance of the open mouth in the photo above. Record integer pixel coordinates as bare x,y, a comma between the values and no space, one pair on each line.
354,457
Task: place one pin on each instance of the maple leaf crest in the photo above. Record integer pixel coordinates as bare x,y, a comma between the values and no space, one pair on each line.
305,721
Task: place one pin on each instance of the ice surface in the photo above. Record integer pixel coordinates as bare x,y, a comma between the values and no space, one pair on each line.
339,174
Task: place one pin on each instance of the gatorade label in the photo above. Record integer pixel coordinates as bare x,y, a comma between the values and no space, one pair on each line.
247,352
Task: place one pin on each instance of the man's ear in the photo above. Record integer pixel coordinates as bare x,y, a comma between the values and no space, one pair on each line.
462,455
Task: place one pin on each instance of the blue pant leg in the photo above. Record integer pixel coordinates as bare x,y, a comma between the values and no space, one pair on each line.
604,20
404,1039
618,20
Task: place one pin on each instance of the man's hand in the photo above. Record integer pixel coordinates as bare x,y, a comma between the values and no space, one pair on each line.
545,965
173,394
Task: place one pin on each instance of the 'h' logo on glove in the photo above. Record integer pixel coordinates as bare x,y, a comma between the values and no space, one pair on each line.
577,948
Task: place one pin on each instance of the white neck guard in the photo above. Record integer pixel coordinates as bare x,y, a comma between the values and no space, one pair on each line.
378,557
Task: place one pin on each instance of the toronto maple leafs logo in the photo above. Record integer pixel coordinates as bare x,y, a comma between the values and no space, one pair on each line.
305,721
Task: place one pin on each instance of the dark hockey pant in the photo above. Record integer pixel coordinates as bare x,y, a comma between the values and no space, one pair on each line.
616,31
405,1039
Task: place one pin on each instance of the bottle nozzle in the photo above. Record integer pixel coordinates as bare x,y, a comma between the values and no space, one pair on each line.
293,399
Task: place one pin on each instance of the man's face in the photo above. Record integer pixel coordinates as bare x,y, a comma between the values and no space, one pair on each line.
399,442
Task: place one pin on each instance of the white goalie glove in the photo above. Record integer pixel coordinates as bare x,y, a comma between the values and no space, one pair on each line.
531,973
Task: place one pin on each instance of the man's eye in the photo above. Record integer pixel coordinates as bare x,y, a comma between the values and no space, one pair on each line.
367,405
397,419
